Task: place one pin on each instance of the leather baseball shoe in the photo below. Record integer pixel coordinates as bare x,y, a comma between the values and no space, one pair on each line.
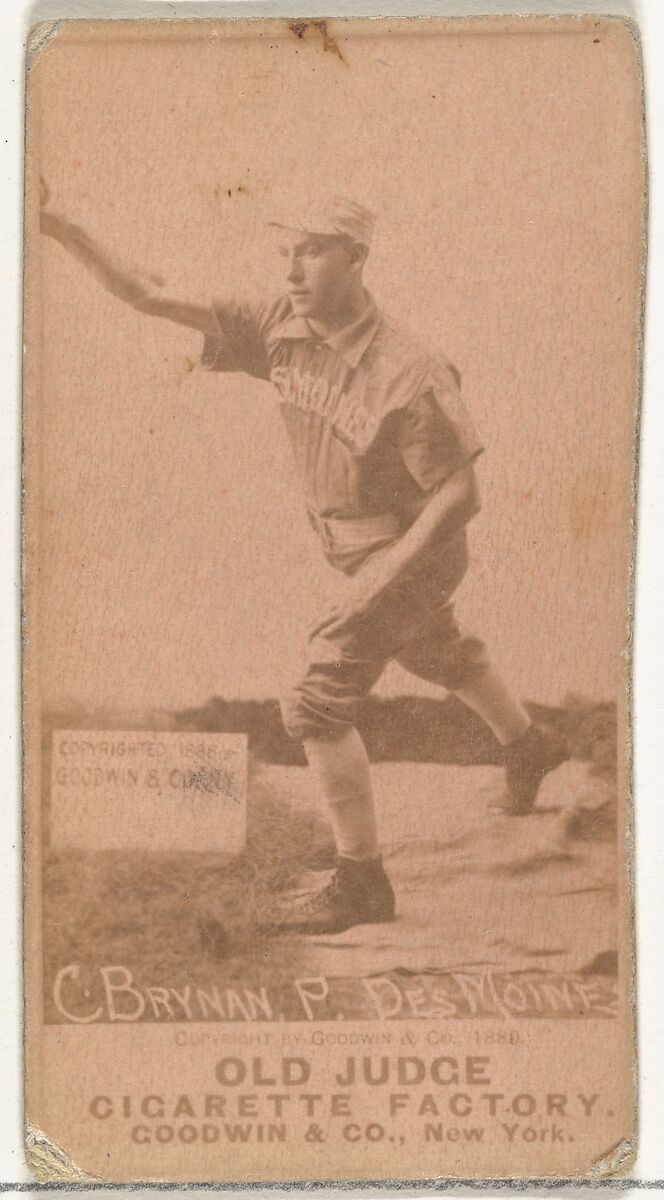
527,760
359,893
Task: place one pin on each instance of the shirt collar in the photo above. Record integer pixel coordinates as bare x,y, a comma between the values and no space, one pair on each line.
350,342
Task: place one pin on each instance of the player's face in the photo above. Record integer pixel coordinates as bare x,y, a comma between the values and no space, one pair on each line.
321,273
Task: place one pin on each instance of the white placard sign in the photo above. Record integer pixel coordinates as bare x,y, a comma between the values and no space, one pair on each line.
148,790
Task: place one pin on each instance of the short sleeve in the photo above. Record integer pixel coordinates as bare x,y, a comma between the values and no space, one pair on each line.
239,343
438,437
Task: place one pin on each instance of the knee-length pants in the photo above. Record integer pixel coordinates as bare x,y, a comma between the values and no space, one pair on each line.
412,624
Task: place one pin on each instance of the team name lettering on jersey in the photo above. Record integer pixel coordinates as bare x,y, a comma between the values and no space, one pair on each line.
347,417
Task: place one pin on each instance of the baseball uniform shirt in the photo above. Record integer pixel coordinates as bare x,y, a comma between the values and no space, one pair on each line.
376,425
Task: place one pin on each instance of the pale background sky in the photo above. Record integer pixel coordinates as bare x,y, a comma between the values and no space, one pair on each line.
176,553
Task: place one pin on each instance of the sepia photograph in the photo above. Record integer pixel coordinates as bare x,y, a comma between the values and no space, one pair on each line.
331,400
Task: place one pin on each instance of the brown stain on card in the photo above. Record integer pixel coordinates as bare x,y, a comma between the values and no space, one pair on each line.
299,28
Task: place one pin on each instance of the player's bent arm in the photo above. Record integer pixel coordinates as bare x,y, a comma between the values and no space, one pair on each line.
142,291
448,510
455,503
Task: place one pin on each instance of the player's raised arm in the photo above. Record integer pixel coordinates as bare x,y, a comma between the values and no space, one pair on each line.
143,291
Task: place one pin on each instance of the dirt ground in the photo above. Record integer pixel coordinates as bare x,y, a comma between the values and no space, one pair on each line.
480,896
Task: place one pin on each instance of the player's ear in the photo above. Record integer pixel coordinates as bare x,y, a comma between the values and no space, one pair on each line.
358,255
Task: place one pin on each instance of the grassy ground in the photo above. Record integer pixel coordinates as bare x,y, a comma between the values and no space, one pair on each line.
146,911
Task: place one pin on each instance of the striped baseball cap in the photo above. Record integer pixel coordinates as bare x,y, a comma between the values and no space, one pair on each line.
332,216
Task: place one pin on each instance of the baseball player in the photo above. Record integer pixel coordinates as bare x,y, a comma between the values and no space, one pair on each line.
385,450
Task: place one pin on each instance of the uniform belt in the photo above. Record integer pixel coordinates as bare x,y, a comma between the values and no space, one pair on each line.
355,531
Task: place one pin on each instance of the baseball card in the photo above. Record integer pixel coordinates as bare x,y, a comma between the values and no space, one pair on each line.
331,392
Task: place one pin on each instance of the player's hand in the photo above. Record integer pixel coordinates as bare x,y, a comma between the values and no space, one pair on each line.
358,600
